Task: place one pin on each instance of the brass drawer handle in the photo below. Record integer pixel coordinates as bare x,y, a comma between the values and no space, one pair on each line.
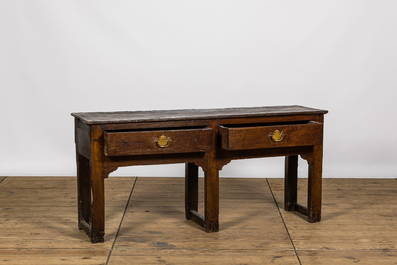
276,136
163,141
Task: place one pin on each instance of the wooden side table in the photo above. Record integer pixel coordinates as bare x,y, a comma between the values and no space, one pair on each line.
206,138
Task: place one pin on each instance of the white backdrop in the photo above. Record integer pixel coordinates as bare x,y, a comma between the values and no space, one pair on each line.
58,57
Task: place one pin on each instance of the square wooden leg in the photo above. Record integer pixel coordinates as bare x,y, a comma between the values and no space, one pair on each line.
211,200
91,203
98,209
313,208
315,185
83,191
191,189
291,182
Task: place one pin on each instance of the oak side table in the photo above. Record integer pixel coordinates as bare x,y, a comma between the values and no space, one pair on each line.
206,138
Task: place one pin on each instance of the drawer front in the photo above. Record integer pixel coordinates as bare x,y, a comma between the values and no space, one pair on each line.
255,137
158,142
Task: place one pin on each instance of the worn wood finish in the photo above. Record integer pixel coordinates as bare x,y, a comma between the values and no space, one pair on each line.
144,142
193,114
209,139
244,136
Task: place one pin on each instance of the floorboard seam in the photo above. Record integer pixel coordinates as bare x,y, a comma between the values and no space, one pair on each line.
285,225
121,222
1,180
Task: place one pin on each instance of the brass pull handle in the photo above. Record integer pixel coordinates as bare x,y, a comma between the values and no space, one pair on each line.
163,141
276,136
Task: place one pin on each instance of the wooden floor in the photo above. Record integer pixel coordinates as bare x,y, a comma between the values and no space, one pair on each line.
145,224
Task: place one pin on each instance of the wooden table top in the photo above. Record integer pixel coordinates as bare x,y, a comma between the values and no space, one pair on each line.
191,114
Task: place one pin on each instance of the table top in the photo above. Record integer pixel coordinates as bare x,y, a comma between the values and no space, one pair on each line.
191,114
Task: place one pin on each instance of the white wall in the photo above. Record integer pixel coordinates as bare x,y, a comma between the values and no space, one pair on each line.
58,57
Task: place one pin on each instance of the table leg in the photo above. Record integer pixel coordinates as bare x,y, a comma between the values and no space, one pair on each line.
83,190
91,200
211,199
191,189
291,182
98,186
98,207
315,185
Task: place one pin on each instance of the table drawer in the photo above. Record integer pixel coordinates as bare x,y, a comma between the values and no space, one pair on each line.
239,137
163,141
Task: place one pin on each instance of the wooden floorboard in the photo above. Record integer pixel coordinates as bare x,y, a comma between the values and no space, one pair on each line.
332,257
38,223
358,222
222,257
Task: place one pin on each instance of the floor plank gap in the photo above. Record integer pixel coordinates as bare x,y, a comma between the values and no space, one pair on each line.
121,222
2,179
285,225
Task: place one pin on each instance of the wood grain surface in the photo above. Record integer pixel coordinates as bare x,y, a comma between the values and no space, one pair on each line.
191,114
146,223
